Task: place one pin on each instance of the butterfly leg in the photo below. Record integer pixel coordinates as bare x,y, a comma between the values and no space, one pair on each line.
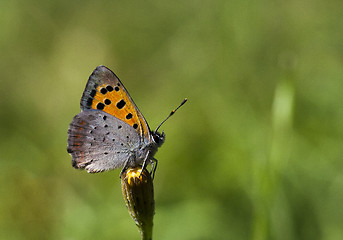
144,162
124,168
153,167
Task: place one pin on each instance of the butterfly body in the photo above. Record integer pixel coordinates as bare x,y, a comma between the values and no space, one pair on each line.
110,132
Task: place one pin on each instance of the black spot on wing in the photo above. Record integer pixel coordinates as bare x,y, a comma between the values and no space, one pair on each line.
100,106
89,101
109,88
129,116
103,90
93,93
121,104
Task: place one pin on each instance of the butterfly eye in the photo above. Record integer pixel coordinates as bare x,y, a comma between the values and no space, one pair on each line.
158,138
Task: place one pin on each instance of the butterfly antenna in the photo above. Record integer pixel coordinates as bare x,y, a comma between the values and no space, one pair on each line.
171,114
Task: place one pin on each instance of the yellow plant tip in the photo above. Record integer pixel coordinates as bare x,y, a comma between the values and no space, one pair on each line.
134,174
138,192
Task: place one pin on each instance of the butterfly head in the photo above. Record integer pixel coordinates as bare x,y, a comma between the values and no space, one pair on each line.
158,138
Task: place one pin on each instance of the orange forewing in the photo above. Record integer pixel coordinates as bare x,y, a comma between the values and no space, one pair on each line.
115,101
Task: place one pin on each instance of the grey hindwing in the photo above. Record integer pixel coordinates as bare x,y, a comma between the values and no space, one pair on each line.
98,141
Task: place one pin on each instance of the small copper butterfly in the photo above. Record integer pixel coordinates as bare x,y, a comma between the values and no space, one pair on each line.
110,132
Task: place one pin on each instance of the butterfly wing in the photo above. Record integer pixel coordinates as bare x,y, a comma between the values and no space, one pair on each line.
98,141
105,92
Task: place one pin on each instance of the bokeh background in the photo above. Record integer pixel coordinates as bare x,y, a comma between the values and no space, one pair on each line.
256,153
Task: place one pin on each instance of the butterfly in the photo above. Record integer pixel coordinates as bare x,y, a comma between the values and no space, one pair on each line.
110,132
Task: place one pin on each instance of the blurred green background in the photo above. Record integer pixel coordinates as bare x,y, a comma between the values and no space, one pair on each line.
256,153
